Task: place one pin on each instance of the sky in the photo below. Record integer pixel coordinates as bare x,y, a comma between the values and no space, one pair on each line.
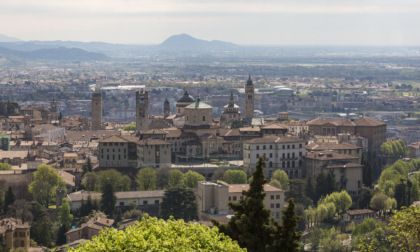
244,22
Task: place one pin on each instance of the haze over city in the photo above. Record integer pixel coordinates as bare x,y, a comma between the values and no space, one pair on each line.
267,22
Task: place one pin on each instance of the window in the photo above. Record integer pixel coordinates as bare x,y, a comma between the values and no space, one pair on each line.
230,198
119,157
234,198
300,145
271,155
145,202
157,202
258,155
272,205
277,196
300,154
271,147
258,147
283,147
288,146
204,118
122,203
293,146
283,155
272,197
277,205
263,147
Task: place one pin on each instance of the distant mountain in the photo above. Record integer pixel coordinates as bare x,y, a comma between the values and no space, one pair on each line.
61,53
4,38
185,42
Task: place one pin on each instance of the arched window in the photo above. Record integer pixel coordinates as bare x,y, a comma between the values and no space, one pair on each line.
283,165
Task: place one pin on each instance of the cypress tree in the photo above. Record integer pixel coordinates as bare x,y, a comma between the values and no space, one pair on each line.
180,203
9,198
251,224
108,200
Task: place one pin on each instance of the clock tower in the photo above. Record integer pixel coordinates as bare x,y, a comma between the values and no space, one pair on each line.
249,99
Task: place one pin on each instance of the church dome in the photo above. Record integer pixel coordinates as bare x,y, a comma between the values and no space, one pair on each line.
186,98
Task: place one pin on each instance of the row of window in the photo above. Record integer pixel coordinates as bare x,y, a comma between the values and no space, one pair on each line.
283,155
283,146
113,144
145,202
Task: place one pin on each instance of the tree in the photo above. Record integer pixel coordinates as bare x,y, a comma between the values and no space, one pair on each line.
289,238
119,183
281,176
406,225
64,215
146,179
191,179
162,177
133,214
46,181
61,235
218,174
90,181
130,127
9,198
341,200
108,199
325,184
20,209
41,231
87,166
175,178
310,189
234,177
5,166
251,224
380,202
180,203
152,234
375,232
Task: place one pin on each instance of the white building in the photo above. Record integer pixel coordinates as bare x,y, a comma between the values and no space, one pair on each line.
284,153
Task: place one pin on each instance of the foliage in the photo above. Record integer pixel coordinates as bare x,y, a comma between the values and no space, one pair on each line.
375,232
87,207
146,179
162,177
5,166
46,181
119,183
251,224
175,178
90,181
341,200
325,184
130,127
406,225
9,198
234,177
394,149
133,214
218,174
87,166
108,200
364,198
191,179
180,203
152,234
281,177
64,215
41,232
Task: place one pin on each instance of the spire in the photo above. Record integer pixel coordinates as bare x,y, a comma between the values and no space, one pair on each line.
186,88
249,81
231,95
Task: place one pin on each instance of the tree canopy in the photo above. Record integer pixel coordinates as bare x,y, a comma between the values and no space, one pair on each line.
46,181
180,203
152,234
130,127
234,177
406,225
146,179
191,179
281,177
175,178
119,182
5,166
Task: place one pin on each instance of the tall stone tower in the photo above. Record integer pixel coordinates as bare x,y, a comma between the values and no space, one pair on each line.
53,110
96,111
142,111
249,99
166,109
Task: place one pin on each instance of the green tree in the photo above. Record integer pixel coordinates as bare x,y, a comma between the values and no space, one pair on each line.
46,181
119,183
191,179
64,215
130,127
175,178
87,166
380,202
5,166
61,235
251,224
325,184
162,177
375,232
310,189
234,177
180,203
90,181
146,179
281,176
152,234
108,200
133,214
41,232
406,226
9,198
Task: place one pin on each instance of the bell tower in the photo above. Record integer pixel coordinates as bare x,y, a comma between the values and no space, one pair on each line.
96,111
142,111
53,110
166,109
249,99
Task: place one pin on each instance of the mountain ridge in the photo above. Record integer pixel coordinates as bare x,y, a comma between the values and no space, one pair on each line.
4,38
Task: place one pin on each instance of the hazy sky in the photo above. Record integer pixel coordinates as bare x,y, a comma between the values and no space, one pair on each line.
261,22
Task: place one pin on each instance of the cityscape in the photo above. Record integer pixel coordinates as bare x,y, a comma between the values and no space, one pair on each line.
195,143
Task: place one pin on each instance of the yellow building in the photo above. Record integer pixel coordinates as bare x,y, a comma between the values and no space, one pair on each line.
14,233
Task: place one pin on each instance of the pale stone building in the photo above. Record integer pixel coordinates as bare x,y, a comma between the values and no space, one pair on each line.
230,112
